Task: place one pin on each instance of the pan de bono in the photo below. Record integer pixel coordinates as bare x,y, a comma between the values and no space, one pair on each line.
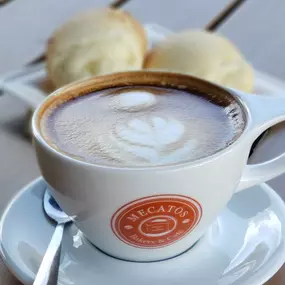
93,43
203,54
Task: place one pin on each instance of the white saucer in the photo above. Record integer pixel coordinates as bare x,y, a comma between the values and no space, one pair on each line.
246,245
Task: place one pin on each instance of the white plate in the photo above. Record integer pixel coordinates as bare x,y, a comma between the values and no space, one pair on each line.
245,246
32,86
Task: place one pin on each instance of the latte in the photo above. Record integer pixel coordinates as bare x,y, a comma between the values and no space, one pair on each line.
140,126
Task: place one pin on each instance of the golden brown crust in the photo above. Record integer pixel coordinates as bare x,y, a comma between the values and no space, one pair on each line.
93,25
140,29
148,58
206,55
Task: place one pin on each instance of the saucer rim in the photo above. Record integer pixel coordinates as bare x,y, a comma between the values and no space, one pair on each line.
14,269
26,278
273,269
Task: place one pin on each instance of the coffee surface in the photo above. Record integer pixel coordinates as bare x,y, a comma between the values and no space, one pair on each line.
140,126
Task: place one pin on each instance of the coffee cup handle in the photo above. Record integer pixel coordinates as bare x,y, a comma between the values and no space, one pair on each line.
264,112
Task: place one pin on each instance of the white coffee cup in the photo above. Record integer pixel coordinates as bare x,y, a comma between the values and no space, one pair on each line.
154,213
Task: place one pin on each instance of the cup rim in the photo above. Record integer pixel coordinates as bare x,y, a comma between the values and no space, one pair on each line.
89,86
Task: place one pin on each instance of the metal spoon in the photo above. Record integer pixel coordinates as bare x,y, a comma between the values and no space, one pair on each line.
50,263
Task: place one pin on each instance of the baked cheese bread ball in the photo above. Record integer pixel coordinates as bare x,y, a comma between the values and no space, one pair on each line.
96,42
203,54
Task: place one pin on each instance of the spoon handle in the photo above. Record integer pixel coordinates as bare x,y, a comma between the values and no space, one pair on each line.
51,258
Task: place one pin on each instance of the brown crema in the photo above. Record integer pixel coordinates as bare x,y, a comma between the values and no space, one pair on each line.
141,119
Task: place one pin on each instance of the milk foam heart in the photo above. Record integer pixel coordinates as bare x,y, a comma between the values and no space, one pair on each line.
133,101
140,126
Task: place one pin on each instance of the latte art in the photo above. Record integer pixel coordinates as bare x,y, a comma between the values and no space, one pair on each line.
140,126
132,101
148,140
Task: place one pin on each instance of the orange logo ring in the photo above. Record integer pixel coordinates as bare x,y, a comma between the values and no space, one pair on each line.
156,221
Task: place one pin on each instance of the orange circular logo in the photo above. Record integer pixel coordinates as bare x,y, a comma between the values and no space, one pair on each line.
156,221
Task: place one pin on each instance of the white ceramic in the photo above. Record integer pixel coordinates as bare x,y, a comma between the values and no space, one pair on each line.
31,85
128,212
244,246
